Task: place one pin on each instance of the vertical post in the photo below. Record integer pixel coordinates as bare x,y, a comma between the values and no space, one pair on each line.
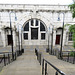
19,40
11,37
37,55
45,68
48,43
11,33
8,59
40,58
62,55
62,38
56,73
4,61
74,58
52,41
48,40
15,56
68,57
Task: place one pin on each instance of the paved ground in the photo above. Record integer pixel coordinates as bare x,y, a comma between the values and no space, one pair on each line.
66,67
28,65
8,49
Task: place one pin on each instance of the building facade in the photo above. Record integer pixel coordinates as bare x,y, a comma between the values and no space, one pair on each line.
36,23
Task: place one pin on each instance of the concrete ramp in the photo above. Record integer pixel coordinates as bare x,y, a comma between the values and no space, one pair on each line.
26,64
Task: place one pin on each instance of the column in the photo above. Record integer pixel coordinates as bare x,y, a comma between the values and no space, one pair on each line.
64,37
29,34
39,34
14,38
3,38
54,37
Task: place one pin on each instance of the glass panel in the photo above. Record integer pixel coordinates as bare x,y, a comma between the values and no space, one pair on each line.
32,22
26,28
34,33
36,23
70,36
42,36
42,28
26,36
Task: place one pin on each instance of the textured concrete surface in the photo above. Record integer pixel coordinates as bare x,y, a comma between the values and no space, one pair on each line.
26,64
66,67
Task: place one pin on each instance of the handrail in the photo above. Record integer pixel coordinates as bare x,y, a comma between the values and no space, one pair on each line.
1,59
5,52
39,55
6,57
68,51
68,56
62,73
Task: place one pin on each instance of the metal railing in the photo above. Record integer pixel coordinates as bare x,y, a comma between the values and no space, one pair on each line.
68,56
38,54
44,64
6,58
44,68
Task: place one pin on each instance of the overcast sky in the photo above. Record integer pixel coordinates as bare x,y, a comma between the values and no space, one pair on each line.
61,2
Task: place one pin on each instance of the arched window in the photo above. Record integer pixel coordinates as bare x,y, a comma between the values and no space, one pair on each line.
26,28
33,29
32,22
42,27
36,23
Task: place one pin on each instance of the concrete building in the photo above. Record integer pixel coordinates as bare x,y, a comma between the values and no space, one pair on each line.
37,22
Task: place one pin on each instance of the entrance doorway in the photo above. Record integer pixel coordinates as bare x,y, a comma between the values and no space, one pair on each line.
57,39
34,33
9,39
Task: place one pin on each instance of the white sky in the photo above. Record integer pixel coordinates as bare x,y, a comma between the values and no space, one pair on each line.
61,2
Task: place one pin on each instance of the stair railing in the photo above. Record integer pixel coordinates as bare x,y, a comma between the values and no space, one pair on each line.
44,64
